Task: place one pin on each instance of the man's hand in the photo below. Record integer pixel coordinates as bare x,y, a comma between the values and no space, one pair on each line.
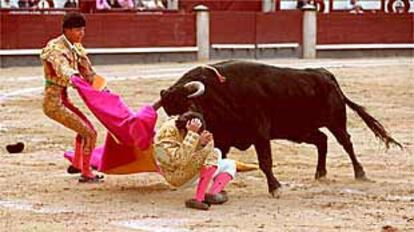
73,77
205,138
194,125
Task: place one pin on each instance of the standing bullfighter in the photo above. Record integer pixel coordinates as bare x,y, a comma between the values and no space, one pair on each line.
63,58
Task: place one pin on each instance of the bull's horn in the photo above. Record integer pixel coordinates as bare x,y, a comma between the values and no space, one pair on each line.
198,86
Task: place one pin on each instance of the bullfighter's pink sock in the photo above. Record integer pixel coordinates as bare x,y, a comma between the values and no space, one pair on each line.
206,174
86,167
220,182
77,158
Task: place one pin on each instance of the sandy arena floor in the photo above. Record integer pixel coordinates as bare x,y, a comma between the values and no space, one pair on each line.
36,194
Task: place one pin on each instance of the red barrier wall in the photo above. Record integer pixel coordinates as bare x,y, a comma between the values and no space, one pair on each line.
103,30
251,27
28,31
232,27
345,28
152,30
279,27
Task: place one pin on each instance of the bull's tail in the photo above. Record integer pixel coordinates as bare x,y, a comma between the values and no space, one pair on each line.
374,125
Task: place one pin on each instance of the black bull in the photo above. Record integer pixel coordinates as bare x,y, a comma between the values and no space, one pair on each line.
258,102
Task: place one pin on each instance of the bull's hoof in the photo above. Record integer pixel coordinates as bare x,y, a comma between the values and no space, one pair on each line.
364,179
275,194
320,175
323,179
360,174
273,190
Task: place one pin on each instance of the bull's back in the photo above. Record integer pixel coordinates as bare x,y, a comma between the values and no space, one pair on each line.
266,82
294,100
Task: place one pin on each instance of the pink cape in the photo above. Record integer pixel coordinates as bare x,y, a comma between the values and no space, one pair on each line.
129,135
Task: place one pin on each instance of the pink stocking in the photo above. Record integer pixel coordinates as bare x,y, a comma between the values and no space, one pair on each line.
77,158
206,174
86,167
220,182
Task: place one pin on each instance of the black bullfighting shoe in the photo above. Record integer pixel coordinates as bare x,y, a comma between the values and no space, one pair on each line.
72,170
194,204
216,199
87,179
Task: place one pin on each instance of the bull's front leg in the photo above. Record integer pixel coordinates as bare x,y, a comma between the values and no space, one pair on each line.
223,148
264,155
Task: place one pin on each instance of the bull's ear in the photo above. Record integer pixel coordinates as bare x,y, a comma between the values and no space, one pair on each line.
162,92
210,73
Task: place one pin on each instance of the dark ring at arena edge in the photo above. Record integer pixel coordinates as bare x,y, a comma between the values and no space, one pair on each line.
15,148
